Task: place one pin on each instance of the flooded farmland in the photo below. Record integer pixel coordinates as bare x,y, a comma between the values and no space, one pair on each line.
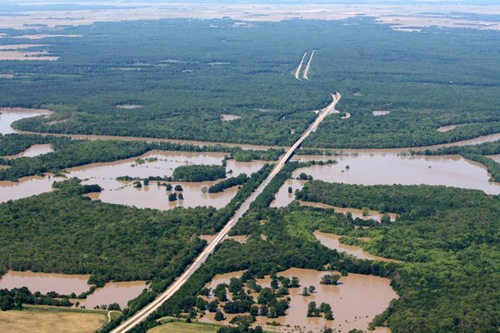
33,151
332,241
114,292
10,115
355,301
389,169
66,284
45,282
155,163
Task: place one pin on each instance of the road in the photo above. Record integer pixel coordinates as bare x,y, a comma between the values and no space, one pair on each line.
153,306
297,72
308,67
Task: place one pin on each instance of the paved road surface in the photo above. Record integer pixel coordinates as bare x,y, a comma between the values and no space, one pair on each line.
308,67
153,306
297,72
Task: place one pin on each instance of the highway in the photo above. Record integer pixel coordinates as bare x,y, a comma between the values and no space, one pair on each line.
308,67
153,306
299,68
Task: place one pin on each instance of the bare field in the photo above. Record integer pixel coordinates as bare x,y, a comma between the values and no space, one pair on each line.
179,327
400,17
48,322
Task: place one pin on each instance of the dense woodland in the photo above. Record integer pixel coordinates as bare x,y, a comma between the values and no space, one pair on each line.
186,73
448,239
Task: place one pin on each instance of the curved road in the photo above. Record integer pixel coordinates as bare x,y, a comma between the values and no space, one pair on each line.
153,306
297,72
308,67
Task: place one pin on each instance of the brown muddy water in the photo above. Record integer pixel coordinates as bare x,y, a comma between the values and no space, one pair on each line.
164,163
25,187
355,301
380,113
447,128
331,241
129,106
10,115
156,163
229,117
495,158
114,292
356,213
388,169
44,282
35,150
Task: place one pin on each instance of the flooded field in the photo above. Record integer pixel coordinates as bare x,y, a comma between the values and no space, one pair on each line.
44,282
129,106
380,113
356,213
447,128
355,301
283,197
35,150
114,292
10,115
229,117
331,241
155,163
25,187
495,158
372,169
65,284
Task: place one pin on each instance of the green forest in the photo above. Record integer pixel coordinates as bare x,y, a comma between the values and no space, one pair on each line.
448,239
197,70
183,76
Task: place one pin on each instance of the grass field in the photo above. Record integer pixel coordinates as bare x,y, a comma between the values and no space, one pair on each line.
181,327
43,321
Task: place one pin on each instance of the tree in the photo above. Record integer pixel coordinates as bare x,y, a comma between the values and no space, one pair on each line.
178,188
330,279
312,289
312,311
290,189
180,196
219,316
305,292
172,197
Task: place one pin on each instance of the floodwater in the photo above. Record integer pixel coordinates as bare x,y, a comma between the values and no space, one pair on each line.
25,187
35,150
380,113
283,198
160,163
355,301
114,292
156,163
372,169
447,128
229,117
129,106
331,241
44,282
495,158
356,213
10,115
